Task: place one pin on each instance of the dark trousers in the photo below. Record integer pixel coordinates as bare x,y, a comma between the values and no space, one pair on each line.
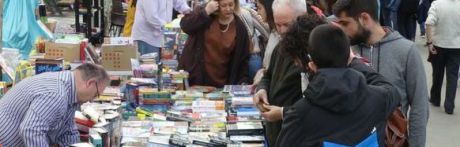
450,59
407,25
390,18
422,14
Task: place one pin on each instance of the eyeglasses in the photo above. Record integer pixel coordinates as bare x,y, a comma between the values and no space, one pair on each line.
97,90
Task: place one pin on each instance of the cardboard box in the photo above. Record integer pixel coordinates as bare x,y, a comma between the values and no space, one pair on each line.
70,52
51,24
119,40
118,57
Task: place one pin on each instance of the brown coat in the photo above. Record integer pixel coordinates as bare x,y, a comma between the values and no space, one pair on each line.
195,25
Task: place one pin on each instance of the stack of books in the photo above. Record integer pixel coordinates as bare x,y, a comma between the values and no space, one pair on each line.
154,100
246,132
241,105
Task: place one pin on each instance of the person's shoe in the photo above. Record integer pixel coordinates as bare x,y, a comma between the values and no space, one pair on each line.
423,36
450,112
434,103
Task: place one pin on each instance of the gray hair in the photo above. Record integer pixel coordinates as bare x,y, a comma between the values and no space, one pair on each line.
299,6
89,71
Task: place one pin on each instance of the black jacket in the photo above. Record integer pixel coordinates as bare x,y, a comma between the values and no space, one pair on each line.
408,6
283,84
341,105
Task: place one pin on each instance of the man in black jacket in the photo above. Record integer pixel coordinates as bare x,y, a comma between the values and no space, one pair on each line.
345,104
407,18
281,83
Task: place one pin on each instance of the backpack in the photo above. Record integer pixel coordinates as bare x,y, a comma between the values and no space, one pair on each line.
396,130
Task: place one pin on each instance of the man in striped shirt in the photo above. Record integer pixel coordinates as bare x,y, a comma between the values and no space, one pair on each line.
39,111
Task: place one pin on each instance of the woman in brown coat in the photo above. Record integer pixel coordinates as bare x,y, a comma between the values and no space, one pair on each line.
217,50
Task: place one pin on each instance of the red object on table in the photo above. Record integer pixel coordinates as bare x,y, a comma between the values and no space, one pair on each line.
83,45
87,122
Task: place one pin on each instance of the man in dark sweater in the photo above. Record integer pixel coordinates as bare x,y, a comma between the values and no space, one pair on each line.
280,85
345,105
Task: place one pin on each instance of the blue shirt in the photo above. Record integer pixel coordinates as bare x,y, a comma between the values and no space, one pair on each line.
39,111
20,27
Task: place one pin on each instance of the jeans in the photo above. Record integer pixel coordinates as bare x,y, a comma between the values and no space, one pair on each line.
145,48
422,14
422,29
255,64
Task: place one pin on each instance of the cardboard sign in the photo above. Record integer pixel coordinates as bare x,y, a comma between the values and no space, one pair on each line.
67,51
119,40
118,57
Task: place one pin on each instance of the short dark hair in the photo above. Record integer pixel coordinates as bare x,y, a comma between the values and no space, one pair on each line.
295,40
354,8
89,71
329,47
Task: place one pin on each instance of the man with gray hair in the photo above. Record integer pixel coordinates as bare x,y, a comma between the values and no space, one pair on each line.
284,13
39,111
280,84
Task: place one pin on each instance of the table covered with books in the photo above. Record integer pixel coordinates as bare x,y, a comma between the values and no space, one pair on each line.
167,112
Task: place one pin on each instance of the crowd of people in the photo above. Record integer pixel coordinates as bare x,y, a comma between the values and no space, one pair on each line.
297,67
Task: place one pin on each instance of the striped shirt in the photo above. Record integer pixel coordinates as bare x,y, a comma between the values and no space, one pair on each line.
39,111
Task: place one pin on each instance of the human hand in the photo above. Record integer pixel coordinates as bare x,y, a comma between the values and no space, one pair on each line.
211,7
274,113
262,107
260,97
432,49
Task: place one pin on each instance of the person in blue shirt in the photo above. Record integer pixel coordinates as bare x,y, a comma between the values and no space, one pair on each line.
39,111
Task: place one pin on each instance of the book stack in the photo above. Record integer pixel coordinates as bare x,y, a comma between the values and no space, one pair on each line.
203,106
146,71
83,124
149,58
246,132
241,105
180,79
183,100
211,116
154,100
111,95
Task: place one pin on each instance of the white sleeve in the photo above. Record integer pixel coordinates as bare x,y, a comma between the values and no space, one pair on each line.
432,18
151,14
181,6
